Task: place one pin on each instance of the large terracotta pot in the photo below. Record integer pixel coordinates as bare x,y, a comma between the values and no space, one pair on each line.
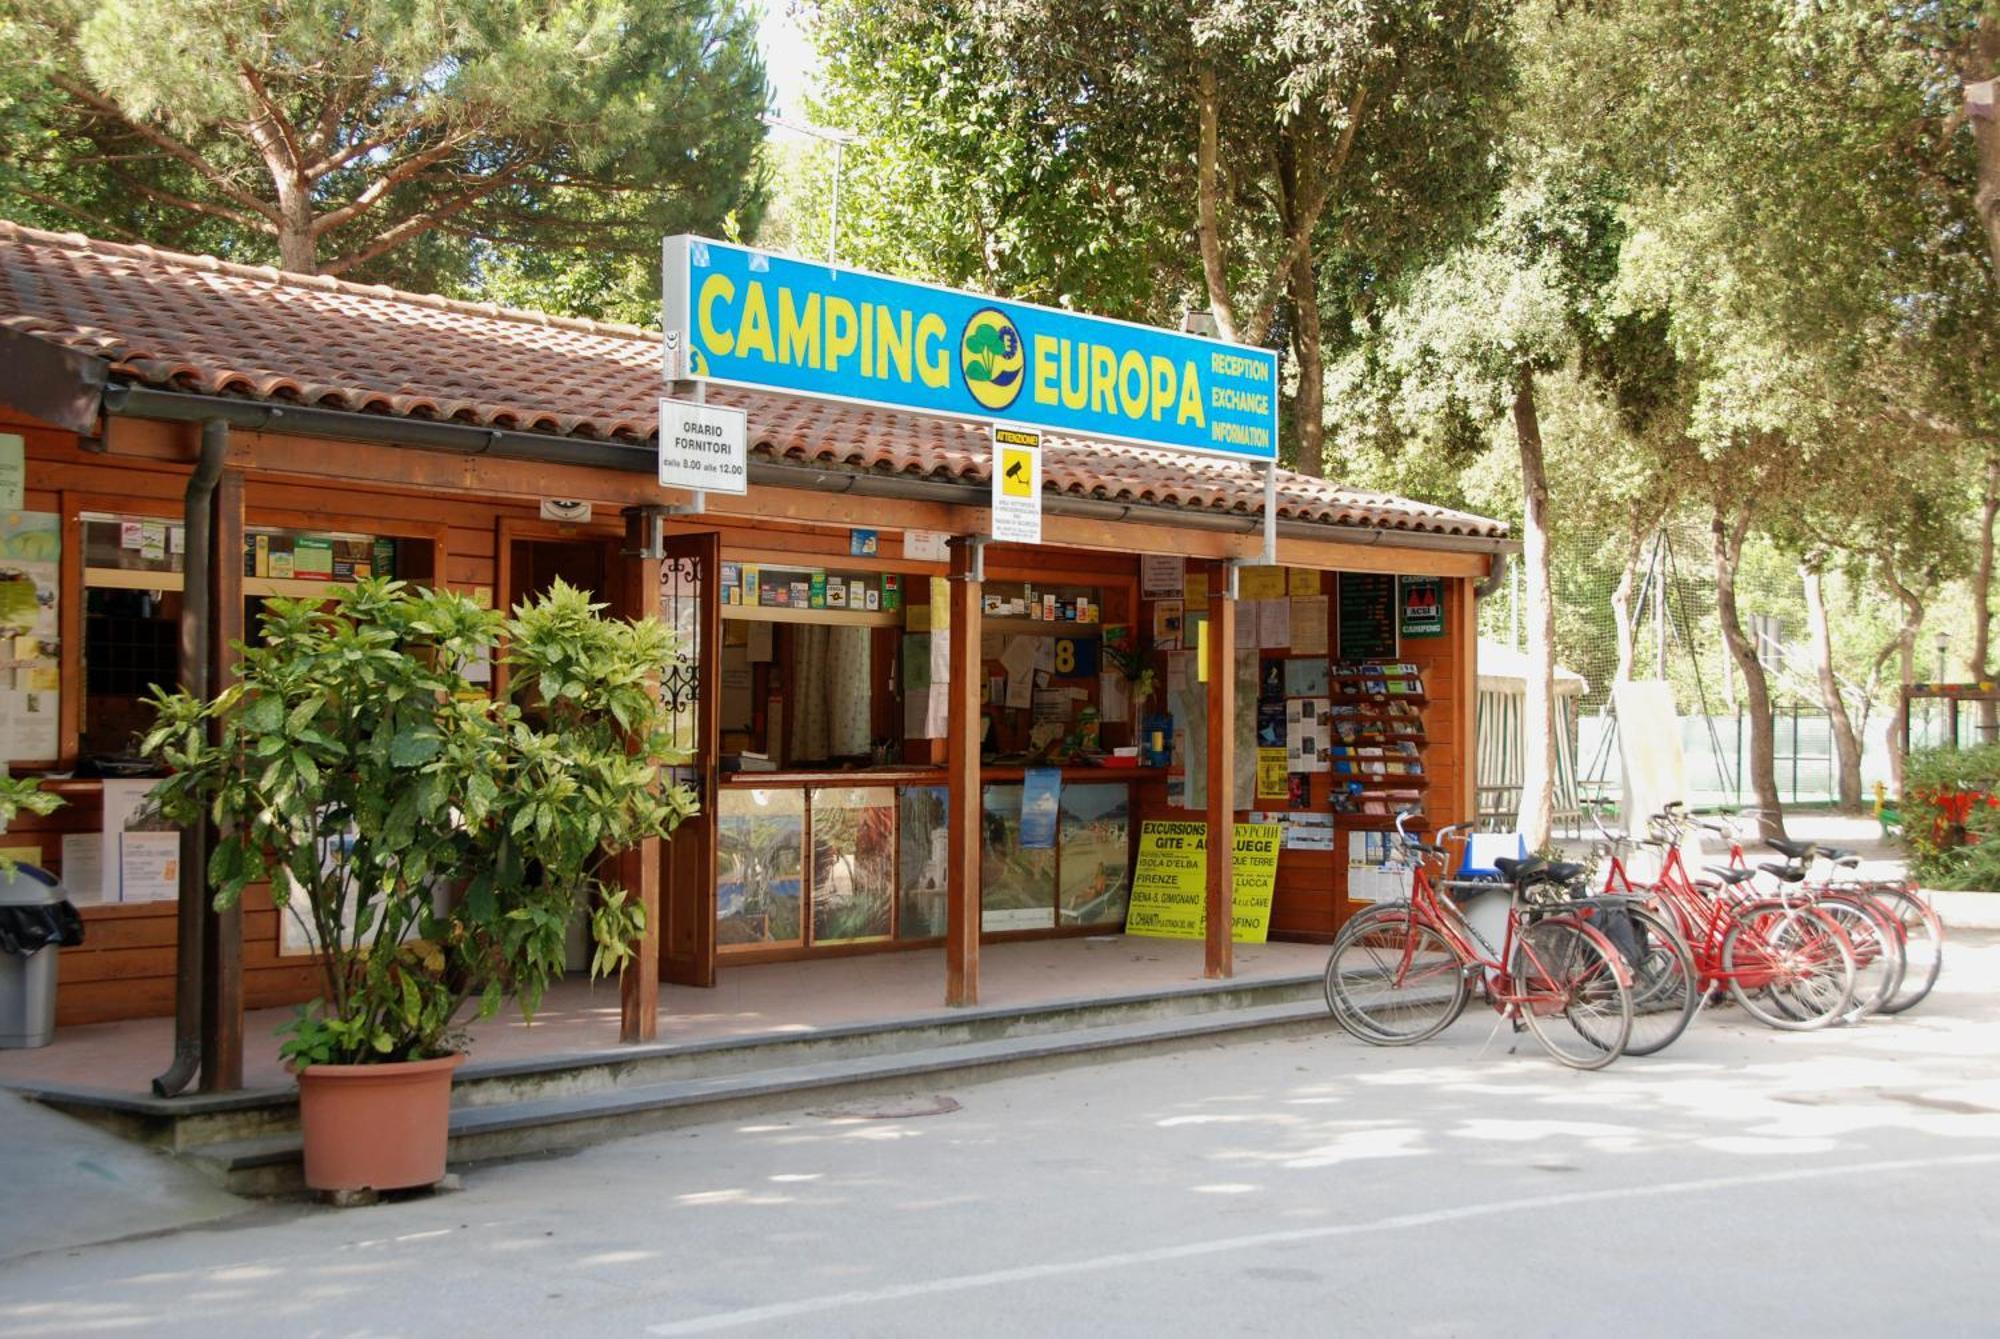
376,1127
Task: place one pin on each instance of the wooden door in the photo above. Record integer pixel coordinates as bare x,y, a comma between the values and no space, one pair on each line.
691,684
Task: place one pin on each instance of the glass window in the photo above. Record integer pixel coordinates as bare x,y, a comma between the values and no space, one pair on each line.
760,844
1096,847
926,849
854,863
1018,887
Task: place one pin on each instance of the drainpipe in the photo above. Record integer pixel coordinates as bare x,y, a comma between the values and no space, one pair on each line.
193,904
1491,585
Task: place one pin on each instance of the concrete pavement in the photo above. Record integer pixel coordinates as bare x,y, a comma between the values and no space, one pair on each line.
65,1184
1745,1182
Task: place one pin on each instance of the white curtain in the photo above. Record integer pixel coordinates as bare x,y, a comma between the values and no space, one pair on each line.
830,700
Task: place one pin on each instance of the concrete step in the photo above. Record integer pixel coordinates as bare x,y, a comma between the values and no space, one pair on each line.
269,1164
185,1124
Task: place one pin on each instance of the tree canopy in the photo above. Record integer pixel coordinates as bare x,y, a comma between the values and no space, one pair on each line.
406,140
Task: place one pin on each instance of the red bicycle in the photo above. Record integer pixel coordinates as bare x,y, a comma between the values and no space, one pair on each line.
1785,961
1402,972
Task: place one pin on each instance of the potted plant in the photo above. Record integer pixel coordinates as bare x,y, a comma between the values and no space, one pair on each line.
435,843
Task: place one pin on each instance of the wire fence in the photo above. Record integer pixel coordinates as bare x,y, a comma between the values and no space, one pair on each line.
1717,752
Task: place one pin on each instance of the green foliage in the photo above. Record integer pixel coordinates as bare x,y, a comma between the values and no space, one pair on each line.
436,843
397,141
1950,817
19,793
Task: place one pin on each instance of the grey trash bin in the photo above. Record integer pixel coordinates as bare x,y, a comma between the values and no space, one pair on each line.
36,921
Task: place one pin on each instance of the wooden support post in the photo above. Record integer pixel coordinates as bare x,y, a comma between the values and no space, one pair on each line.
962,730
639,868
222,957
1220,959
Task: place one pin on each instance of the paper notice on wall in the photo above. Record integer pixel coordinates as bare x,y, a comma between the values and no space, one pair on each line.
1019,657
1303,580
1273,779
1309,627
123,801
1274,623
1114,698
149,866
1161,576
1260,583
1305,737
1309,832
28,721
83,866
1045,655
1246,627
1020,691
925,546
1167,629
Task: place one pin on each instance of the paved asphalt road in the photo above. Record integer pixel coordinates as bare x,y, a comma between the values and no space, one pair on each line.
1746,1182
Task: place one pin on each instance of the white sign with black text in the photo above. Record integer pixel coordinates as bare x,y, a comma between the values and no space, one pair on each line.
703,447
1017,485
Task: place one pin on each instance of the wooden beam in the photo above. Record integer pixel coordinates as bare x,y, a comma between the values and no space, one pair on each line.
962,728
639,868
222,960
1220,957
1465,694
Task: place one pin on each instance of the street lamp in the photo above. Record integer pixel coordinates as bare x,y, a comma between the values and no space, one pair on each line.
840,139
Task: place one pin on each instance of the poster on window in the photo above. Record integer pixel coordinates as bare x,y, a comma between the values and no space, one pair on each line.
30,664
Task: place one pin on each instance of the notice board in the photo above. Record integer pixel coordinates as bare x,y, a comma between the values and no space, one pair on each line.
1170,881
1365,610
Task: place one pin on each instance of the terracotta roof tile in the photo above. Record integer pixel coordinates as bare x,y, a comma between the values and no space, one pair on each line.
200,324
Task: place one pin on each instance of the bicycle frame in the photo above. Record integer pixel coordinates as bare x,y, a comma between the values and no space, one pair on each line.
1498,983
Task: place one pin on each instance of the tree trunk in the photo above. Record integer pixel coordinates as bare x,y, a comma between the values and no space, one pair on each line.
1309,405
1729,534
1981,663
1846,743
1208,210
1906,665
1986,136
1621,605
1538,721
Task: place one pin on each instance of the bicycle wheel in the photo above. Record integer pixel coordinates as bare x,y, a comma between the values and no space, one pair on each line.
1878,952
1788,967
1565,980
1393,980
1664,991
1923,944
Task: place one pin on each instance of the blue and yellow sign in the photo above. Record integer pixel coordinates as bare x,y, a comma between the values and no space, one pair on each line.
743,318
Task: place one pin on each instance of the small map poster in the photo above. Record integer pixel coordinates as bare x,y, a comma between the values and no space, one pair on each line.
1170,881
1366,617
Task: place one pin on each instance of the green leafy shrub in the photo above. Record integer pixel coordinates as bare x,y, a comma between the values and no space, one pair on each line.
1951,819
436,842
18,793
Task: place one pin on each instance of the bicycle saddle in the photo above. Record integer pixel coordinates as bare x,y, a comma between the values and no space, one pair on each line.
1796,850
1783,873
1523,871
1837,854
1563,871
1730,874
